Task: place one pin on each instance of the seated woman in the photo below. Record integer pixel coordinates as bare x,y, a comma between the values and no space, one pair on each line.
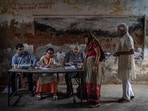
47,82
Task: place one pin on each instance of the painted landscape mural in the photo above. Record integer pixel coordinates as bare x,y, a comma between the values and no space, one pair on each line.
59,30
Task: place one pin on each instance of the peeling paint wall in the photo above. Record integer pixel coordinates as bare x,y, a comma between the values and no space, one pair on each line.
72,7
17,26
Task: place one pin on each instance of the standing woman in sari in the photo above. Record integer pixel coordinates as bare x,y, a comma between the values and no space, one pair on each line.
47,82
93,71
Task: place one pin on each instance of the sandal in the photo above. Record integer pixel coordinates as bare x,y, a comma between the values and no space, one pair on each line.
38,97
122,100
94,105
55,97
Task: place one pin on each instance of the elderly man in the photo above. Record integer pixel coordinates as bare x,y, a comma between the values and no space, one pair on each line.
126,63
73,57
19,58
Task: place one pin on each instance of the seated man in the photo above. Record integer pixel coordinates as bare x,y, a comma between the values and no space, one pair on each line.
74,57
19,58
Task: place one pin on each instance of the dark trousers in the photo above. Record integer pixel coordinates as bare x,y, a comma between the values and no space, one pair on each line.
68,79
13,81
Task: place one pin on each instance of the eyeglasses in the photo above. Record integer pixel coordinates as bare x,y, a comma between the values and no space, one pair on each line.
20,49
50,53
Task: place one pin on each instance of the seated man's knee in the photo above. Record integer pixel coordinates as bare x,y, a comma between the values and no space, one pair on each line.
67,76
28,75
77,75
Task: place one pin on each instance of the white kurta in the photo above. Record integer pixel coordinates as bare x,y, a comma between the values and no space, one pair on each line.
126,63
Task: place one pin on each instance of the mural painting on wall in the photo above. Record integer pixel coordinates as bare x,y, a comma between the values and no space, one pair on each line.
59,30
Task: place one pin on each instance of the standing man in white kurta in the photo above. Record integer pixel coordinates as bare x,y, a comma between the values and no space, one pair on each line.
126,63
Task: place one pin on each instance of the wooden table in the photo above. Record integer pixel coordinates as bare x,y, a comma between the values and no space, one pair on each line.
58,70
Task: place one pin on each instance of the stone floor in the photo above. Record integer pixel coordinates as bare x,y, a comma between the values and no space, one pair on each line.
109,96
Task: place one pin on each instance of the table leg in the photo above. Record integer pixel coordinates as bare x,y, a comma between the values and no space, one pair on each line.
9,84
10,93
83,91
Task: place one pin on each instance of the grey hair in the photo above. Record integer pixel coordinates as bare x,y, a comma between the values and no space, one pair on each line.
74,46
124,26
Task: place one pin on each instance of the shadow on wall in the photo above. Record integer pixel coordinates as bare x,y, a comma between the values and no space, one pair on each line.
60,51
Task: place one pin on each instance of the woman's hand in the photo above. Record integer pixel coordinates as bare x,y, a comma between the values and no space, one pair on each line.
95,68
40,65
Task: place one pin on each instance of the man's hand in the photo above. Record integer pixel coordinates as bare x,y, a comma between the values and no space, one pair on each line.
116,54
69,63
